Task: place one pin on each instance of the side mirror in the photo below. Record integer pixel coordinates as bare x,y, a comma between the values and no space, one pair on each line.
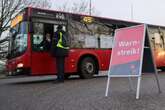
13,31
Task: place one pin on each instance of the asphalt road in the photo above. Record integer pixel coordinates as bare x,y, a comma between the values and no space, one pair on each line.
39,93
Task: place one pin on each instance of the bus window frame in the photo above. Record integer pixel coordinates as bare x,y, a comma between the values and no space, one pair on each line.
34,20
12,47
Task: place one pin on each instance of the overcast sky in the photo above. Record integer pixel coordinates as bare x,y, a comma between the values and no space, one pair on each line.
146,11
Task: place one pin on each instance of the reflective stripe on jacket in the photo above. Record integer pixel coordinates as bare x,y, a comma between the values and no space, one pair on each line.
60,43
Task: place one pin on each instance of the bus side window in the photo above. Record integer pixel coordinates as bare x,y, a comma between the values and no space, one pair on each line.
55,28
37,36
48,34
37,39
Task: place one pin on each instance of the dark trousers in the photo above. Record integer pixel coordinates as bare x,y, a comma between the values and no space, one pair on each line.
60,61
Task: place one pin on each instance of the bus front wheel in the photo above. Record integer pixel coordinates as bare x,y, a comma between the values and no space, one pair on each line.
87,68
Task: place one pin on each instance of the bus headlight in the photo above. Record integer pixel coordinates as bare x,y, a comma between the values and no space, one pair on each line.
19,65
161,53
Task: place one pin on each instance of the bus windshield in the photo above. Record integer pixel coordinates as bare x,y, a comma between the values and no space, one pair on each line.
18,42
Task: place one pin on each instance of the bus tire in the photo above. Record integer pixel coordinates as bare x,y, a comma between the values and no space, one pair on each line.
87,68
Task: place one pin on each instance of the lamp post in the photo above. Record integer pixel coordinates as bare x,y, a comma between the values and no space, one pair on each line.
90,7
132,10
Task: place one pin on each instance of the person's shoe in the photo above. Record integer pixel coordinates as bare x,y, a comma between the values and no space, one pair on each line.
58,81
61,81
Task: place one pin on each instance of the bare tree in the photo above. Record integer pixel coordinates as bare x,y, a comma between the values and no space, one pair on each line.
9,8
82,7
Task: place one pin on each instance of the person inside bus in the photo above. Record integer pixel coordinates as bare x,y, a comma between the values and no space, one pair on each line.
60,52
46,43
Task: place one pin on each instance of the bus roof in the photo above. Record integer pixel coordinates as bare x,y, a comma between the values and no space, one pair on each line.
99,17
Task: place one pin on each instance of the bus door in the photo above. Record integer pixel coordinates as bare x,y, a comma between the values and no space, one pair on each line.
41,60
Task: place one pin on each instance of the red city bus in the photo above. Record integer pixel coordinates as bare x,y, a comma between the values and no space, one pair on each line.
90,37
87,55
